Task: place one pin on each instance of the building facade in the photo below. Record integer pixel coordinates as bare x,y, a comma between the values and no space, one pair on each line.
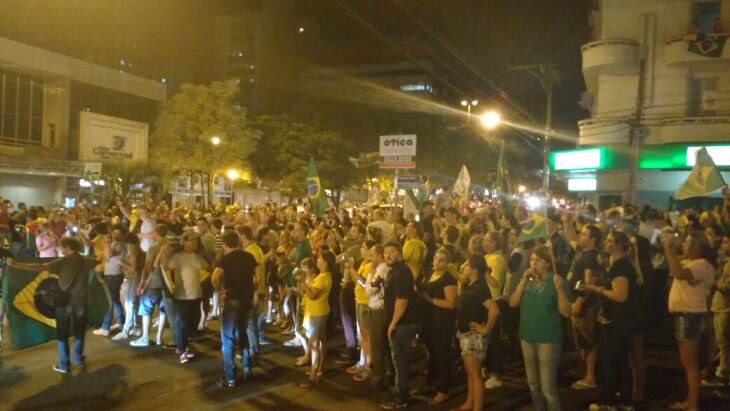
62,117
674,50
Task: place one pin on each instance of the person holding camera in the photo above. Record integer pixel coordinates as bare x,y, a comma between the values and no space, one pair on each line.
617,316
541,296
693,278
381,364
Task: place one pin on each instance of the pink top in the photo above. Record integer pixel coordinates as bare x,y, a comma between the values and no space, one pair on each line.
46,245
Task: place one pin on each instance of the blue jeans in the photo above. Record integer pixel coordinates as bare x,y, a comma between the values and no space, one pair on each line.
234,318
114,285
74,312
255,326
186,321
541,367
400,349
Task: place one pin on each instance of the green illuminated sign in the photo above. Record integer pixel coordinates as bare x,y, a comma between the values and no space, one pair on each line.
680,156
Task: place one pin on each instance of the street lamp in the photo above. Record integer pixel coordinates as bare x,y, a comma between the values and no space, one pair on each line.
232,175
491,119
469,104
215,140
521,189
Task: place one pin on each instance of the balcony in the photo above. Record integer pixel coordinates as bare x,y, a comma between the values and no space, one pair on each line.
615,57
603,131
677,55
706,129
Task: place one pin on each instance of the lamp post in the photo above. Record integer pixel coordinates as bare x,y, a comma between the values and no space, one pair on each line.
491,120
469,104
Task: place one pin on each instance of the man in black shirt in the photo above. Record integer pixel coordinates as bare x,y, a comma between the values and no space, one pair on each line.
73,279
233,279
400,308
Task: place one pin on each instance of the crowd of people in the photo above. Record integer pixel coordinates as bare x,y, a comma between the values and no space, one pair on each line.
457,279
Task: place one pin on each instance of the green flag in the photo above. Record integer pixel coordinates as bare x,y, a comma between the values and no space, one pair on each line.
314,189
30,315
710,47
535,227
704,179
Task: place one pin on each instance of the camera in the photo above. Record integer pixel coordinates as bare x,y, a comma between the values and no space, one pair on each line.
377,282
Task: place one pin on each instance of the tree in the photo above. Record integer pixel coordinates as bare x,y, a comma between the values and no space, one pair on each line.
284,150
122,176
182,139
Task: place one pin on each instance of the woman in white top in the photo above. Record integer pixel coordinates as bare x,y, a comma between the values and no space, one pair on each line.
378,318
693,277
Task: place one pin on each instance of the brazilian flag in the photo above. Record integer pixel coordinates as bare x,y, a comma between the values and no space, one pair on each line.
535,227
710,47
314,189
27,303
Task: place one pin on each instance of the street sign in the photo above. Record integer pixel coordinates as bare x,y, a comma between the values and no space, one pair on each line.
92,170
408,182
397,151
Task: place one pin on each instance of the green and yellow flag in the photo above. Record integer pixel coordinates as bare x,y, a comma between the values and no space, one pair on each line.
535,227
31,316
710,47
704,179
316,194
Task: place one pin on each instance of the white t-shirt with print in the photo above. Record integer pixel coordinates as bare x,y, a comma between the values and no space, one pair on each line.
692,298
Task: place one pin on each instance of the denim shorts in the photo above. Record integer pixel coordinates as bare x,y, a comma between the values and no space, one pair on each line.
474,343
149,300
689,326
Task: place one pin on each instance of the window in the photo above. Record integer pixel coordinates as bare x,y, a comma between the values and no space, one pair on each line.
21,109
705,13
417,87
703,95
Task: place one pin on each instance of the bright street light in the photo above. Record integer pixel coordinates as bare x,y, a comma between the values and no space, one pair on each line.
490,119
464,103
232,174
474,102
215,140
521,189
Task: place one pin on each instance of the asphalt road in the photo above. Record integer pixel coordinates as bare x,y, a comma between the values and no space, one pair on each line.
118,376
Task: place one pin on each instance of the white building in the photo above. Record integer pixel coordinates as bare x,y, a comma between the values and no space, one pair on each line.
686,103
59,114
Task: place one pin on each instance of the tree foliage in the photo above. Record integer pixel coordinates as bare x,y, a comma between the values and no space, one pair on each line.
284,150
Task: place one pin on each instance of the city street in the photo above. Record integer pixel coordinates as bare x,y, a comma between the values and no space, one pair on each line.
120,377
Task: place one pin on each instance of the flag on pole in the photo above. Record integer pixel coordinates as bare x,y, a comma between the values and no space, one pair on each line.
463,181
28,307
314,189
502,172
704,179
535,227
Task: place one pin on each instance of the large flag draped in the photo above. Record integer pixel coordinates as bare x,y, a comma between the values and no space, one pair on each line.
535,227
314,190
709,47
463,181
704,179
31,316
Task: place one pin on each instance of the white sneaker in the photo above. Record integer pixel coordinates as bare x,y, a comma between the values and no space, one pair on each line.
115,327
140,342
492,383
101,332
135,332
120,336
294,342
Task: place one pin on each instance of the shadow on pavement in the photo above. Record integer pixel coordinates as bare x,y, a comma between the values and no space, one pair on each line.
8,378
104,388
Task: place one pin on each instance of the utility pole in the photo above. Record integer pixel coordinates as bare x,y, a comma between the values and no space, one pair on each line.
635,138
549,77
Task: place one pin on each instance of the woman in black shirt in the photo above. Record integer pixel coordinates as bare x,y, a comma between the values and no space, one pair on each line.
618,302
440,293
477,314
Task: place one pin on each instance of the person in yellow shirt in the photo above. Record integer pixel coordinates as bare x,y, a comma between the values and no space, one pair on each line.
255,322
316,310
364,318
414,250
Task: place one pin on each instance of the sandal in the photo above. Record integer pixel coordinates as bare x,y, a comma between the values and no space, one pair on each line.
581,385
309,383
680,405
439,400
302,361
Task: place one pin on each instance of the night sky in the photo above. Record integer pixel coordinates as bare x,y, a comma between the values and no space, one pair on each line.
473,41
